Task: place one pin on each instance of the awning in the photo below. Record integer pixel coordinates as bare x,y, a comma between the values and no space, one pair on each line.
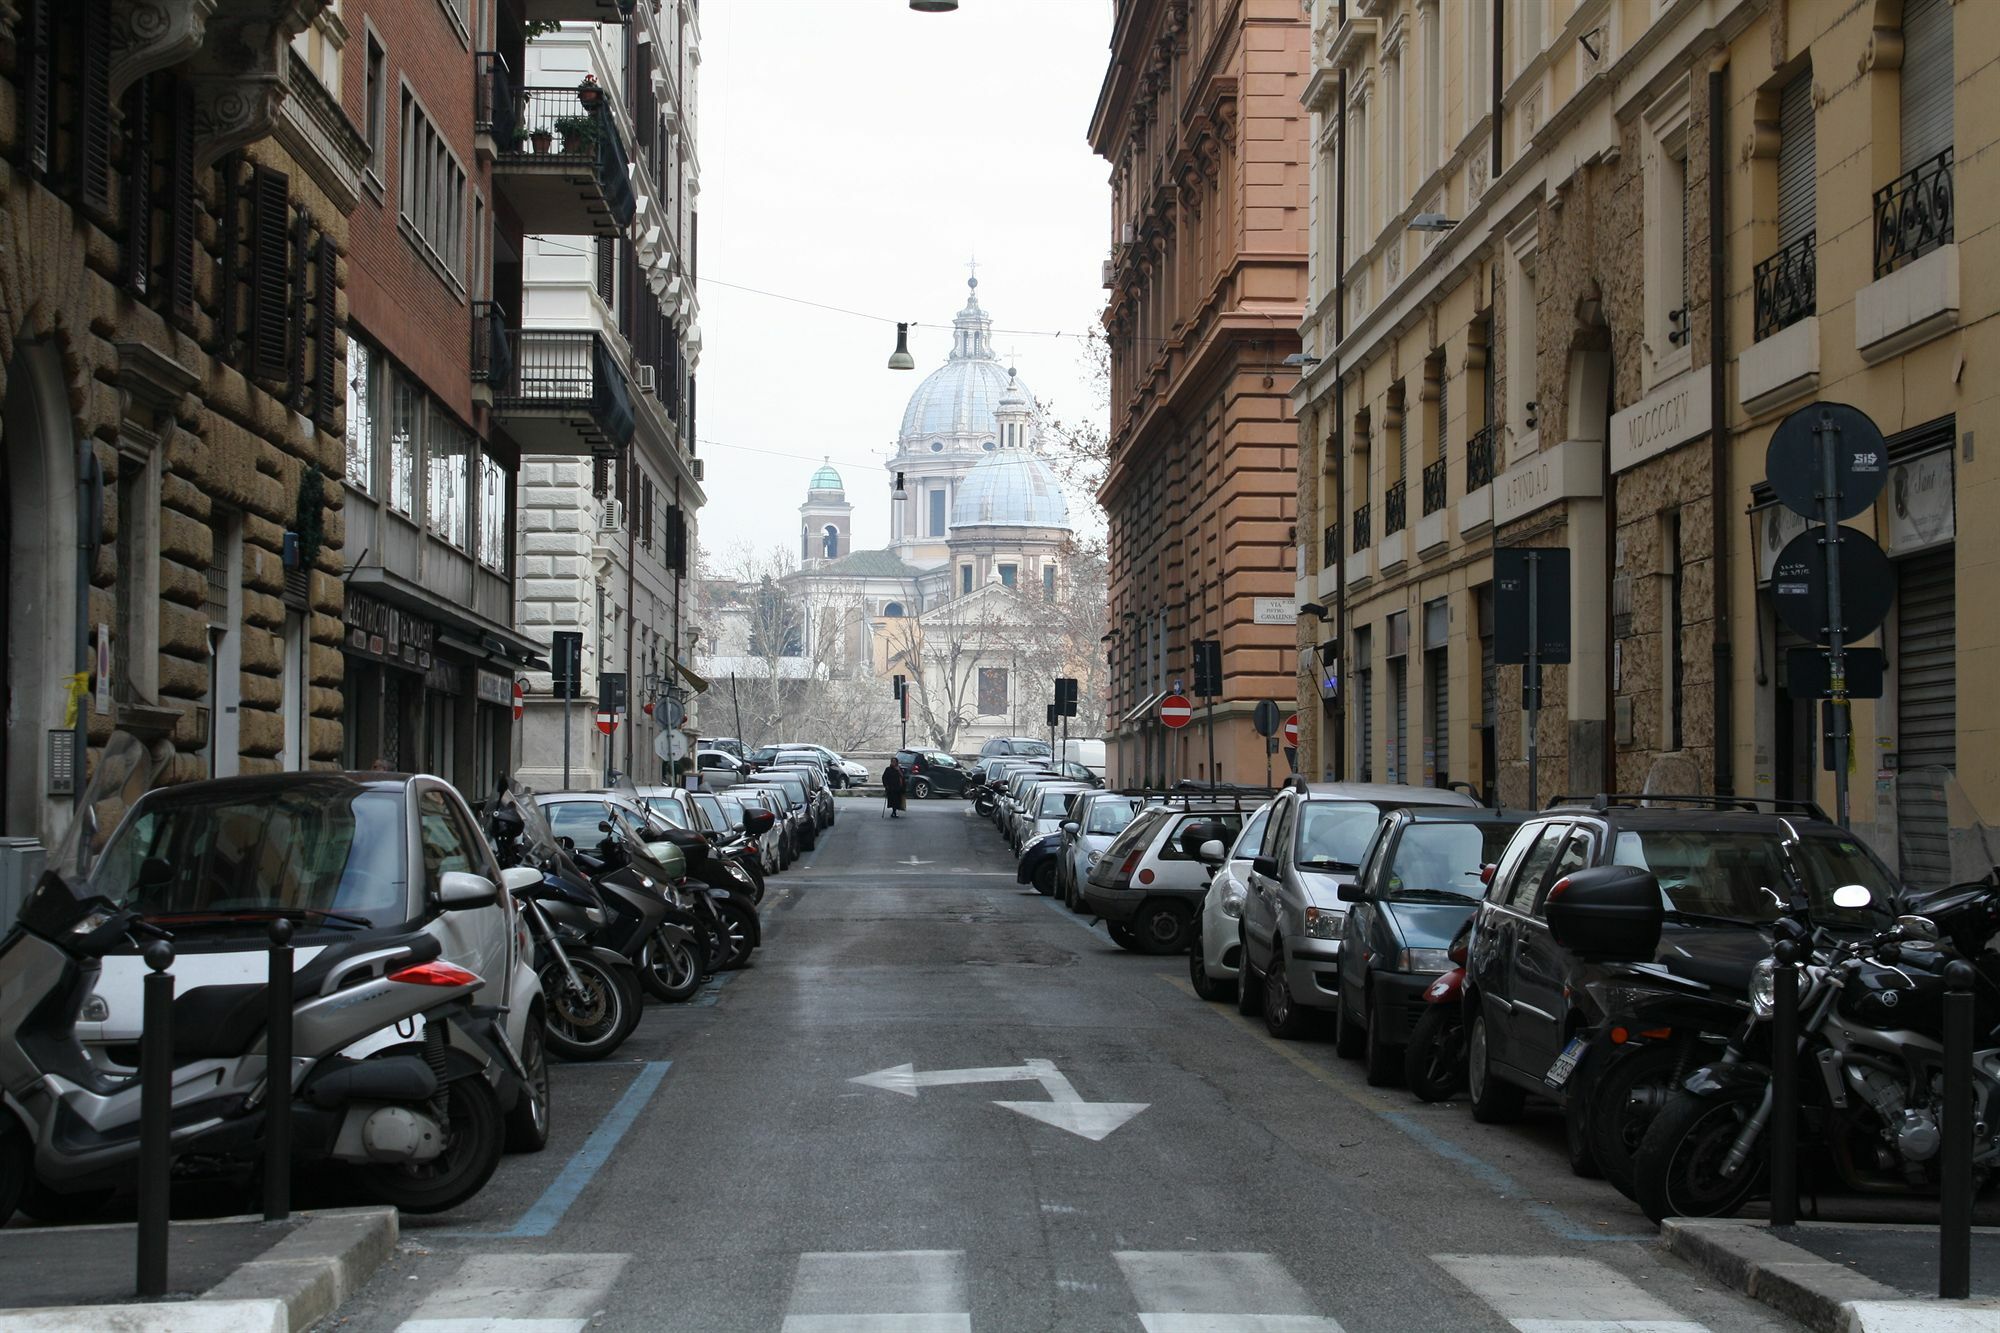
1151,701
459,629
695,683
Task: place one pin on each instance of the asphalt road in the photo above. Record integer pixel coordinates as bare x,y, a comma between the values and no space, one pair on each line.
725,1171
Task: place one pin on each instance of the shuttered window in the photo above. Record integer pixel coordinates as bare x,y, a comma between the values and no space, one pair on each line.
139,187
93,117
1796,160
1927,80
1399,736
1926,665
1364,722
1437,679
270,252
183,203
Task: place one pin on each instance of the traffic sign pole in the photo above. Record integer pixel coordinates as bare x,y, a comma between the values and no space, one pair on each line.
1531,681
1828,434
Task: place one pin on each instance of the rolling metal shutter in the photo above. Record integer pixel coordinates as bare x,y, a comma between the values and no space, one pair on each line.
1440,690
1365,732
1796,161
1926,708
1399,687
1927,80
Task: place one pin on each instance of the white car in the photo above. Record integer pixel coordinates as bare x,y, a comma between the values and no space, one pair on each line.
1214,964
854,774
720,769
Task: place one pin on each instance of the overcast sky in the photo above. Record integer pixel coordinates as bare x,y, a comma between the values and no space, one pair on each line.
856,153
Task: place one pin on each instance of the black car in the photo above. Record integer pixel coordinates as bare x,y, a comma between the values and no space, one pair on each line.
1541,1020
931,773
1419,880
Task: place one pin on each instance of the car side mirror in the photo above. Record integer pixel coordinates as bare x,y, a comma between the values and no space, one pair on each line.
604,826
1351,893
1266,866
516,878
1212,852
1072,828
461,890
1608,914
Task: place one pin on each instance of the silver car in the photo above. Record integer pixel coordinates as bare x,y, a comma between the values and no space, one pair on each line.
1293,920
1095,819
1048,807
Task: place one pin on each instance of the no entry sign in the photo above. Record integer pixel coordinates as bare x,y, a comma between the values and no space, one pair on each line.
520,700
1292,732
607,722
1176,711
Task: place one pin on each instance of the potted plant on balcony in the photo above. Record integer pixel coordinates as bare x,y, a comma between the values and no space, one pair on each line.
588,92
543,138
579,133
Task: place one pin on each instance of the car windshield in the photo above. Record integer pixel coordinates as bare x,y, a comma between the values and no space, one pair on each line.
1334,833
1053,804
1441,856
710,805
1111,814
940,758
1033,749
1746,875
332,847
668,808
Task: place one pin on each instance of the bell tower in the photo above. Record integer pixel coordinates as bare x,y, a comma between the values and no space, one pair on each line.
826,530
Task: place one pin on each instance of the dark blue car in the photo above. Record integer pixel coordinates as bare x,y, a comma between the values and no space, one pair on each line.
1419,881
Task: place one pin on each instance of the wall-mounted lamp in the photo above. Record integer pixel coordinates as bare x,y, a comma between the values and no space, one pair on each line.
1432,222
1300,359
1312,609
900,359
1583,40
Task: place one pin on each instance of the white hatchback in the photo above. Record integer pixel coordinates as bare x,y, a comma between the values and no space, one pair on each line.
1215,961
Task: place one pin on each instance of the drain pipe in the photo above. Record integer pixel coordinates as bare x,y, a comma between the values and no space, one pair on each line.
1718,449
89,533
1336,439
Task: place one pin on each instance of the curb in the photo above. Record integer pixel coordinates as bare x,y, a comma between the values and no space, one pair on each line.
1818,1293
290,1287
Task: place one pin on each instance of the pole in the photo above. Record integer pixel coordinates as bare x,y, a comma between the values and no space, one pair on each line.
156,1107
278,1076
1829,502
736,704
1211,744
1955,1156
1785,1088
569,698
1531,691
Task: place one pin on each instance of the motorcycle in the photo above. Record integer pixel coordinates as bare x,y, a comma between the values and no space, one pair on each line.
1434,1059
592,991
418,1124
721,901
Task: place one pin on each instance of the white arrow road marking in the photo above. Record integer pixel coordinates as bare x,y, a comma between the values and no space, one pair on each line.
1065,1109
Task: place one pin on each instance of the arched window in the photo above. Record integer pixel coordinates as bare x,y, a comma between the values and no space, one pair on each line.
893,610
830,540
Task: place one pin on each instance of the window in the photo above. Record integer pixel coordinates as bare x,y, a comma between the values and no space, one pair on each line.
1530,44
936,528
1928,81
1478,60
1433,76
408,403
375,92
893,610
1048,583
1666,126
1364,729
363,387
1252,841
446,847
1007,575
448,451
1675,647
432,195
492,513
1392,134
1522,890
1357,173
992,691
964,579
1575,856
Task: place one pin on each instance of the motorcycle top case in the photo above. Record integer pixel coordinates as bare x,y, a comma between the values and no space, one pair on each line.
1607,913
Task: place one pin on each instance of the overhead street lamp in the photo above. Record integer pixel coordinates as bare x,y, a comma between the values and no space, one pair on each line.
1300,359
900,359
934,6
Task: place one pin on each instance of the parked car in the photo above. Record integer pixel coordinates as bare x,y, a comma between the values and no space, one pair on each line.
727,744
1026,747
780,841
1217,954
799,815
1420,880
1148,885
819,793
1047,806
1534,1011
931,773
1293,918
1095,819
1089,753
719,769
843,771
770,847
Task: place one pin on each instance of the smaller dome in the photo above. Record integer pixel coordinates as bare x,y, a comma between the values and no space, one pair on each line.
1010,488
826,479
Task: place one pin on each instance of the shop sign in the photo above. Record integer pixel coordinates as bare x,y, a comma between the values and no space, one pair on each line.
387,633
1922,508
494,688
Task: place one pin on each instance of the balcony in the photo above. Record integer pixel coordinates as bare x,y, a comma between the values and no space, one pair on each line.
1786,286
558,157
555,391
1396,507
1362,537
583,11
1479,459
492,353
1329,546
1434,486
1913,214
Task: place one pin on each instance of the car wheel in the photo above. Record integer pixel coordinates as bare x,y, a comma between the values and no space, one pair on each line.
1249,986
1434,1062
1045,879
1349,1038
1162,926
919,788
1493,1102
1122,936
528,1122
1382,1062
1206,986
1282,1015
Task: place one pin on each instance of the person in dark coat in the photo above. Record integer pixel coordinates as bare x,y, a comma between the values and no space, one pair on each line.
892,789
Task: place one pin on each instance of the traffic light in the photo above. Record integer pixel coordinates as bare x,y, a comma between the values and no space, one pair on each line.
1065,704
898,695
1207,668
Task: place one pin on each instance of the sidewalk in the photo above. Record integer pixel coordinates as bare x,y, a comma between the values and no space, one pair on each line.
231,1273
1844,1277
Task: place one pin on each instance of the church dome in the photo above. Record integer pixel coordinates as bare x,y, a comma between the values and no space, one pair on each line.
1011,488
960,397
826,479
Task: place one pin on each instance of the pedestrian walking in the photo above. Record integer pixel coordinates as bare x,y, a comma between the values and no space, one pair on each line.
892,789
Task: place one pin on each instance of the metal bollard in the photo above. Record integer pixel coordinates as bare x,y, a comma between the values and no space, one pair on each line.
156,1106
1784,1128
1955,1156
278,1076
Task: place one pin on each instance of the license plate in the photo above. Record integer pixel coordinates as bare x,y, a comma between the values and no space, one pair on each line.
1565,1064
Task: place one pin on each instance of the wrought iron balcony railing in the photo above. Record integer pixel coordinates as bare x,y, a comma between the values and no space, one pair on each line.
1479,458
1913,214
1330,545
1786,286
560,134
1396,507
1434,486
1362,537
564,390
492,350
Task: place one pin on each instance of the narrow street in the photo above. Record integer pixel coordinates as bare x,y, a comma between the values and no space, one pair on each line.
726,1171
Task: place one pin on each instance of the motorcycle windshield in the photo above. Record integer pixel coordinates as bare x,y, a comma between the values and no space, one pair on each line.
123,772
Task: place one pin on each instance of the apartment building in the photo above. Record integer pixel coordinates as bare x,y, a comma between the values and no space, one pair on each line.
1200,119
173,233
1570,269
607,302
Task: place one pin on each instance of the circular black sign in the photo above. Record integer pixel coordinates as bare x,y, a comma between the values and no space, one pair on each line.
1798,585
1794,467
1265,719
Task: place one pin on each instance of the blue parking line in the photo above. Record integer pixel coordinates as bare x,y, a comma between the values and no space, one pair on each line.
1557,1221
710,991
547,1212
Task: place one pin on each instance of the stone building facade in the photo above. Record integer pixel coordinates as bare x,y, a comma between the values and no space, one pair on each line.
1200,119
174,187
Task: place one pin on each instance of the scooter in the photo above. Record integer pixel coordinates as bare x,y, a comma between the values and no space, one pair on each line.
1434,1060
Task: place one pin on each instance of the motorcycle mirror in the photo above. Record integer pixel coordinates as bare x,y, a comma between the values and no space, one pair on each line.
1917,928
1852,896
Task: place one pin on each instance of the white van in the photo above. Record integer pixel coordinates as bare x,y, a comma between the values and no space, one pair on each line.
1088,753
